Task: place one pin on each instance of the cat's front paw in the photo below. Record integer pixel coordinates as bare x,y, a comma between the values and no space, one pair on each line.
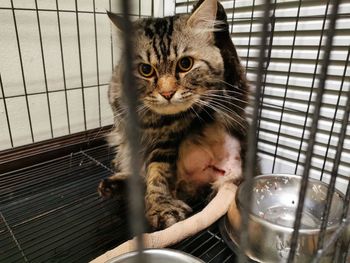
108,188
167,212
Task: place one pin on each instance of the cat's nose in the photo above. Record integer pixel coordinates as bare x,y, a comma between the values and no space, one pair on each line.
167,94
167,86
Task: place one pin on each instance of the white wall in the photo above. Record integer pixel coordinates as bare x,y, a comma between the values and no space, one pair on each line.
61,90
65,98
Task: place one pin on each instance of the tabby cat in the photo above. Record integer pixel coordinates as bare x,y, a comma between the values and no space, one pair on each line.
189,77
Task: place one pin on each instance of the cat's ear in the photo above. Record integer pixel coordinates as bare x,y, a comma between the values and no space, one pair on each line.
204,15
117,20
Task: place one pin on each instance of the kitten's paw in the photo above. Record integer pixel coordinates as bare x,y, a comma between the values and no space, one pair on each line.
166,213
108,188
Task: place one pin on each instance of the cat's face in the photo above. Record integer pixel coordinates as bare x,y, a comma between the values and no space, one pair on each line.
176,65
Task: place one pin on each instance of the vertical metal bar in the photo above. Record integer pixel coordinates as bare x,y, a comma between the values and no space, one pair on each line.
346,213
112,53
250,35
44,66
347,254
135,193
233,14
347,200
80,63
333,239
6,111
341,248
286,87
334,174
272,23
152,8
313,129
22,70
334,117
97,66
251,157
63,68
312,88
139,8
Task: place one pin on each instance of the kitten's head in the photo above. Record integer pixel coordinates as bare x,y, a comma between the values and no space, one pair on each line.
177,64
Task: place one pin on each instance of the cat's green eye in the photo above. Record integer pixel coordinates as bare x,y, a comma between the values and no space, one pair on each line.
185,64
146,70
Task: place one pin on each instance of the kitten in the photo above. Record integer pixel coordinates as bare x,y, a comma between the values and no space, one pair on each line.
189,80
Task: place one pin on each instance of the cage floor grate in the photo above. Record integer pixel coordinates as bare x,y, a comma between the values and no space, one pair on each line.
51,212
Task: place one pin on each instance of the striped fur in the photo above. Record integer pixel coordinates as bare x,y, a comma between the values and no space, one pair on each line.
213,91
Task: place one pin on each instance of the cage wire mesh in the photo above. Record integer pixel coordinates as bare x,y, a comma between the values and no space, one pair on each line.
56,62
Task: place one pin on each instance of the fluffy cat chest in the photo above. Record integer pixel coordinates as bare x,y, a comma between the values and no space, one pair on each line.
210,157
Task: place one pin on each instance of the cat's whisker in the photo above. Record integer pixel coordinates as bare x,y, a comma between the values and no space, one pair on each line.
119,114
216,107
240,92
242,127
224,101
228,110
225,98
234,86
227,105
228,93
208,113
202,105
226,115
142,110
120,111
199,117
98,133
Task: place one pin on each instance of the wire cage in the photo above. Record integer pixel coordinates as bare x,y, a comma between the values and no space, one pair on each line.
56,62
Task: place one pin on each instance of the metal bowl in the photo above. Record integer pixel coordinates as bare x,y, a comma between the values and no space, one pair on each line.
271,218
158,256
